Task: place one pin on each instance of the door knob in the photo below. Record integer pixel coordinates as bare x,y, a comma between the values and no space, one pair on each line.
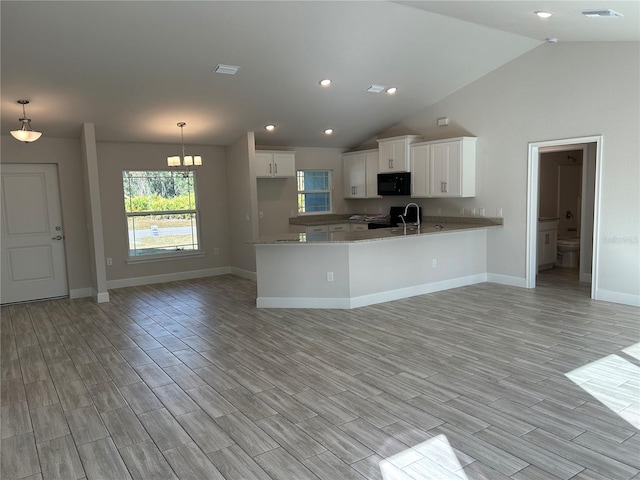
59,237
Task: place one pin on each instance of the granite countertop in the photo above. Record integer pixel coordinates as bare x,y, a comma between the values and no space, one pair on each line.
428,227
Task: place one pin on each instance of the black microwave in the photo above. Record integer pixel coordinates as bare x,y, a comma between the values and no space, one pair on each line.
394,183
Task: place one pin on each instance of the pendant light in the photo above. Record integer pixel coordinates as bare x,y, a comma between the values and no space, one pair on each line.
26,134
186,161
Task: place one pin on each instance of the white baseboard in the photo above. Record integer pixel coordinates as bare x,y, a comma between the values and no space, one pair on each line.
169,277
239,272
102,297
371,299
507,280
80,293
617,297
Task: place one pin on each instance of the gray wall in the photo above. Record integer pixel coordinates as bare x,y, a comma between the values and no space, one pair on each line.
564,90
113,158
277,197
66,154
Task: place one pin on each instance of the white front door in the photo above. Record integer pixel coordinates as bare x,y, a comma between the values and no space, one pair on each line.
32,251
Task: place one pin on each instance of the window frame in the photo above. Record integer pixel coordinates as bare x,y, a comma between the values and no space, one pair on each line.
169,254
303,192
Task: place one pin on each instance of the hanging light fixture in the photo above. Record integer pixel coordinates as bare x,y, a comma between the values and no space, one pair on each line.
26,134
186,161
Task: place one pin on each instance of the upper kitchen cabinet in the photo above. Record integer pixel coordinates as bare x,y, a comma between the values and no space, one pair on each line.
273,164
394,153
444,168
360,174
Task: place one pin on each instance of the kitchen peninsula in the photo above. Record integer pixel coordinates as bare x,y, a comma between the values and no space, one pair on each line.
357,268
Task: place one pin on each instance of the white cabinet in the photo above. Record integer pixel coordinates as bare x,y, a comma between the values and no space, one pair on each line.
360,174
338,227
358,227
394,153
444,168
308,228
547,248
272,164
420,170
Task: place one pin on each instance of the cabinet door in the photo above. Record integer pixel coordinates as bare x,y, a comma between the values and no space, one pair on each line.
549,247
371,160
445,170
284,165
339,227
420,171
358,227
386,153
355,176
264,165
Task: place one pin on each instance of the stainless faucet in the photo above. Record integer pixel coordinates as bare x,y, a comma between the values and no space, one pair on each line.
406,209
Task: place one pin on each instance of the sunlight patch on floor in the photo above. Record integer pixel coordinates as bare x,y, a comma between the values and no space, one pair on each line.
433,459
613,381
633,351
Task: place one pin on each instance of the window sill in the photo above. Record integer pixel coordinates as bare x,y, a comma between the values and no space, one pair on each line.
164,257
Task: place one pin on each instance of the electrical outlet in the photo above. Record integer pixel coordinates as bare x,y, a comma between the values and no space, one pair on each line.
462,211
261,214
216,251
329,276
481,210
473,212
438,211
434,263
499,212
109,261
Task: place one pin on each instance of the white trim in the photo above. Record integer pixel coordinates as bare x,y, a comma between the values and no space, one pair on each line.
533,174
162,257
507,280
239,272
81,293
371,299
168,277
617,297
102,297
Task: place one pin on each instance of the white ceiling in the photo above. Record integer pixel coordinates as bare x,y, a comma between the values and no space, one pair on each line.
135,69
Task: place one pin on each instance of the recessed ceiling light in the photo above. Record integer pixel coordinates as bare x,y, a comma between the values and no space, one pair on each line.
552,40
375,88
325,83
226,69
270,128
601,13
328,131
391,90
543,14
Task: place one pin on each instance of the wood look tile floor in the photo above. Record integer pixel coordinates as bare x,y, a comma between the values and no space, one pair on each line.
189,380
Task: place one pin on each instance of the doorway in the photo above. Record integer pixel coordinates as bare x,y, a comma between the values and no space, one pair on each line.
32,252
579,221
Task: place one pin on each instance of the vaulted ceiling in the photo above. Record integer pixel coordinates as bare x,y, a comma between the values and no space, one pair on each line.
135,69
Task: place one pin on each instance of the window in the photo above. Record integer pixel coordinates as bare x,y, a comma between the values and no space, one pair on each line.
161,211
314,191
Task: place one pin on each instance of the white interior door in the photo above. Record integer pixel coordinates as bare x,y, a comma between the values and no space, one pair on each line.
32,250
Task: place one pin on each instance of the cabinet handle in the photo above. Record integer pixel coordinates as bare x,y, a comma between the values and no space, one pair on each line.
270,172
390,164
276,165
546,239
445,187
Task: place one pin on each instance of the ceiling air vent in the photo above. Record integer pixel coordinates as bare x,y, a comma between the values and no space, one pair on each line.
375,88
226,69
601,13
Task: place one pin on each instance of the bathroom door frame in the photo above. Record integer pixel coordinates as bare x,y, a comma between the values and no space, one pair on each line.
533,176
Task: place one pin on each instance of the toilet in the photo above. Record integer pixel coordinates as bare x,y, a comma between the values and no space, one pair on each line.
568,252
